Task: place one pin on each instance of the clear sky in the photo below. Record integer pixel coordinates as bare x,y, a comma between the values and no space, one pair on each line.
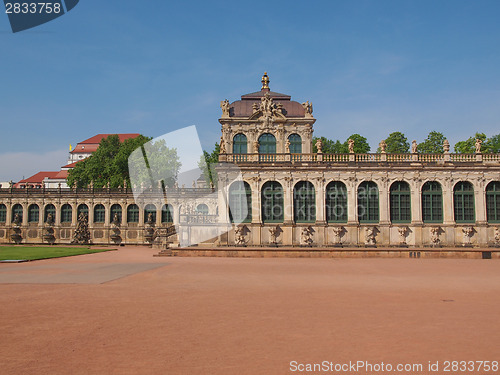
369,67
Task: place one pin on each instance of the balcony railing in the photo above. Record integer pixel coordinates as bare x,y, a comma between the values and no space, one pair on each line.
359,158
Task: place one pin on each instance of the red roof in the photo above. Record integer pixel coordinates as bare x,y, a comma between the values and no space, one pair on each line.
72,165
38,177
96,139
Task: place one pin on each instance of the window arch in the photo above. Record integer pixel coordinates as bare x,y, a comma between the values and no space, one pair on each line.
202,209
240,144
116,209
336,202
17,209
33,213
150,209
463,202
66,213
400,201
133,213
304,202
267,144
295,143
50,209
240,202
368,206
3,213
167,213
82,209
272,202
432,202
99,213
493,202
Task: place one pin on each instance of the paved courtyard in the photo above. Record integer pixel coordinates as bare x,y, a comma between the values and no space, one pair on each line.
127,312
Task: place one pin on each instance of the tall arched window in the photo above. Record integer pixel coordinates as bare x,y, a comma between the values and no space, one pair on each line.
272,202
132,213
82,209
267,144
400,201
493,202
240,144
50,209
167,213
240,202
17,209
116,209
368,209
432,202
463,202
336,202
202,209
150,209
99,213
3,213
33,213
295,144
304,202
66,213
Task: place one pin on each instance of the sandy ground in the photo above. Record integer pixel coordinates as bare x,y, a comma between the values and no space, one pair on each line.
126,312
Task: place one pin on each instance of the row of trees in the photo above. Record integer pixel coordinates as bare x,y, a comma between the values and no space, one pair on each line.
397,143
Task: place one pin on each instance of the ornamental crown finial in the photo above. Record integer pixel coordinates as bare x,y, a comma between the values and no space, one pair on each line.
265,81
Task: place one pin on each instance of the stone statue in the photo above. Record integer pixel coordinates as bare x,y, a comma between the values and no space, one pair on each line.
256,147
150,220
239,236
497,236
382,146
446,146
222,146
308,108
82,233
273,235
255,107
306,236
116,220
414,147
337,234
478,146
370,236
468,232
319,146
17,219
50,219
225,108
351,145
435,232
403,233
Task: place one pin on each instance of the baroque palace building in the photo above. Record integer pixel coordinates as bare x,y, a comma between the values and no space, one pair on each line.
294,198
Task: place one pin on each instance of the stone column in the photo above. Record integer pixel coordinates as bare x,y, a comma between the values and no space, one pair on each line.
416,202
352,202
320,202
448,213
480,202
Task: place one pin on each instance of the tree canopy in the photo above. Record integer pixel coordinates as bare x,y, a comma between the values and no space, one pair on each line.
433,144
361,145
110,164
207,163
469,146
397,144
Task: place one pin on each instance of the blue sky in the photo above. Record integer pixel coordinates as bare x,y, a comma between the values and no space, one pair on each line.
369,67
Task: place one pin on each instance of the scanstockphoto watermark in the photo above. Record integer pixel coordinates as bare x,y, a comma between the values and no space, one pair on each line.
26,14
167,172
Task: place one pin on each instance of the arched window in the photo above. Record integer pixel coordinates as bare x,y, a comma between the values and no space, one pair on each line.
167,213
150,209
133,213
295,144
432,202
267,144
99,213
82,209
116,209
202,209
493,202
50,209
463,202
304,202
240,144
240,202
400,201
66,213
336,202
368,210
33,213
17,209
3,213
272,202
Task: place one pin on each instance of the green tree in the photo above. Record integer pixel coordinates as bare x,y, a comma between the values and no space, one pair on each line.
493,144
469,146
361,145
330,146
396,144
207,165
433,144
